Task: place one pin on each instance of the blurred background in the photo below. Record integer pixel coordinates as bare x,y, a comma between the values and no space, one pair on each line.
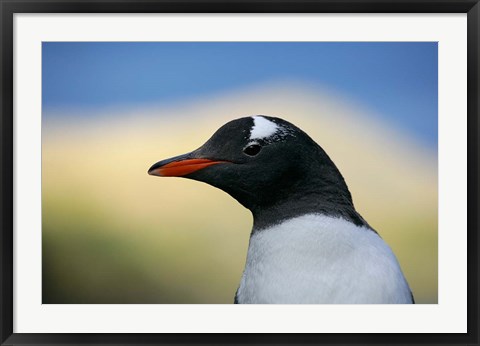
113,234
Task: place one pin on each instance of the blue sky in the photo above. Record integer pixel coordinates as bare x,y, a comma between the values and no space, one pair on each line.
396,80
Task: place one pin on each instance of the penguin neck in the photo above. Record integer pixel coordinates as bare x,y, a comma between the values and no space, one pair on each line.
321,195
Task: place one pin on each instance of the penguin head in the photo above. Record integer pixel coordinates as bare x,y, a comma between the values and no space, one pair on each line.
260,161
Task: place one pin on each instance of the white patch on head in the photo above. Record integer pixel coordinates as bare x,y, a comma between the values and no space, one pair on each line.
316,259
262,128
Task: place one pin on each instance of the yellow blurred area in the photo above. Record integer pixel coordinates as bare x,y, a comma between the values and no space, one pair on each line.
113,234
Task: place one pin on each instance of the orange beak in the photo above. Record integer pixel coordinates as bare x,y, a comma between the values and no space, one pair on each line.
169,168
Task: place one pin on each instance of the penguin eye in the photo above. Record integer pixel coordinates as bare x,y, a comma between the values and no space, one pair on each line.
252,149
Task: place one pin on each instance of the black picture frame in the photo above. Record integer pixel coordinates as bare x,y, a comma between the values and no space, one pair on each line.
10,7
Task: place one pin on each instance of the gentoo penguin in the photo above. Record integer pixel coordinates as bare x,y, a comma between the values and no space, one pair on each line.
308,243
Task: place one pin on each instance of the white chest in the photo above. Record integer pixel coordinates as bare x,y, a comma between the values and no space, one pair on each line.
320,259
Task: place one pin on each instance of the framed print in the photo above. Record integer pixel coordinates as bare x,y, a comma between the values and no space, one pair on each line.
239,173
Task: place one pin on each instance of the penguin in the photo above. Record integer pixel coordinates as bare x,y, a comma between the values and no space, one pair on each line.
308,244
